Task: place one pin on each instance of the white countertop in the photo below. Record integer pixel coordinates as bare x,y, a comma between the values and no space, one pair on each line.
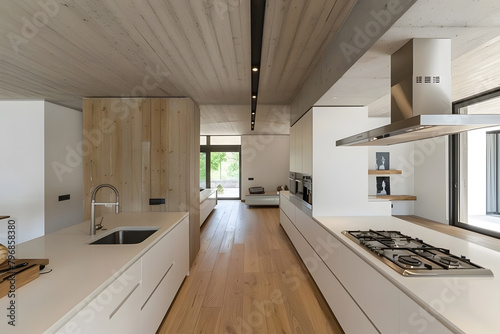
79,271
467,304
206,193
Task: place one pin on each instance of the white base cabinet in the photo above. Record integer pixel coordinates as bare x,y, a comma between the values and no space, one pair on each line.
349,315
137,301
164,267
112,310
208,201
362,300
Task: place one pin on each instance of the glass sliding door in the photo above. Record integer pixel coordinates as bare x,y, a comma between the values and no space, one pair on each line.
225,173
220,162
203,170
475,178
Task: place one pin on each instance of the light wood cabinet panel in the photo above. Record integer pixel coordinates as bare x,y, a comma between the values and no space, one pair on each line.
147,148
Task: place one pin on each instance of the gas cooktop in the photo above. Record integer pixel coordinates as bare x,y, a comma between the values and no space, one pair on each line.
413,257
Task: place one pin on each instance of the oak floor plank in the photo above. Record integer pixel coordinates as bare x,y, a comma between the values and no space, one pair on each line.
210,257
214,296
181,316
208,321
251,256
227,242
248,279
254,303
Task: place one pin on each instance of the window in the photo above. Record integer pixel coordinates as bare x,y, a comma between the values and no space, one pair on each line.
220,162
475,170
492,176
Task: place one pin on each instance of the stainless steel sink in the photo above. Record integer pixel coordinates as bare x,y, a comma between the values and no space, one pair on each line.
125,237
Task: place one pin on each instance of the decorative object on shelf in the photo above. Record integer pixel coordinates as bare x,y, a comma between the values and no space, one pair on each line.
4,253
394,197
384,172
382,160
383,185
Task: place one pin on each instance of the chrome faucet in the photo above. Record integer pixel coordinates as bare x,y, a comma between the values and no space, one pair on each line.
93,227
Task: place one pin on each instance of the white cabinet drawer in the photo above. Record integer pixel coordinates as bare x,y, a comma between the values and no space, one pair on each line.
349,315
156,262
120,300
287,207
164,267
324,244
370,290
414,319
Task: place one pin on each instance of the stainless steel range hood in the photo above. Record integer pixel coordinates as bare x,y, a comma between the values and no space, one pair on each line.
421,98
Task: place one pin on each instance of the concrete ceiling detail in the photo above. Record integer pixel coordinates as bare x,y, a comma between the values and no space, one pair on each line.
63,50
474,29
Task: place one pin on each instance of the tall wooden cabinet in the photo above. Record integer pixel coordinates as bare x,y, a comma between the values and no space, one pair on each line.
148,148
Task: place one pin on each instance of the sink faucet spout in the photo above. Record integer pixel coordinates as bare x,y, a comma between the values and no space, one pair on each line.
93,203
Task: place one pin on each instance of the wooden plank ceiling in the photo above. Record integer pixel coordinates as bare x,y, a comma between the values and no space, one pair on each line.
63,50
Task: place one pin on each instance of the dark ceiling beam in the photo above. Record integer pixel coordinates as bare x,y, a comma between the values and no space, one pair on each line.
257,13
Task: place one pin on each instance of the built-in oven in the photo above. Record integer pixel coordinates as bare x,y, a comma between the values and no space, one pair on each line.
307,188
292,183
300,184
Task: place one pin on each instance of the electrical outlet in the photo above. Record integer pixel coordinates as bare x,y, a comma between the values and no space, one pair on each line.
156,201
64,197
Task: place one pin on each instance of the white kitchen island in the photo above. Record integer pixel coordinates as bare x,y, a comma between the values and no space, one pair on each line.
92,288
368,296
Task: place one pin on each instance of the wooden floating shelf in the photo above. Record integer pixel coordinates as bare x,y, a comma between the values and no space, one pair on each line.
395,197
384,172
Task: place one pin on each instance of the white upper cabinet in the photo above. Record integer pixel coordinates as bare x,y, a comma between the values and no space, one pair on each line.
301,145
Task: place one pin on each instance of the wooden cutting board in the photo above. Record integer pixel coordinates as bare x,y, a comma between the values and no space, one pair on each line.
16,278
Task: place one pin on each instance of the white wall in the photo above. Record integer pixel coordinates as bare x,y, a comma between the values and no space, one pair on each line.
429,162
35,134
266,158
22,168
63,137
340,174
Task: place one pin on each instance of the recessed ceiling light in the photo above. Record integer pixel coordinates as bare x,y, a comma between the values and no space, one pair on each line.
254,96
253,112
255,69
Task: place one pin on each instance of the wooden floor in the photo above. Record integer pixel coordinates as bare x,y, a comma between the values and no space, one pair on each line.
248,278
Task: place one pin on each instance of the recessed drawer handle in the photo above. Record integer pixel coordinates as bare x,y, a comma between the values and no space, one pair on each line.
157,285
123,301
